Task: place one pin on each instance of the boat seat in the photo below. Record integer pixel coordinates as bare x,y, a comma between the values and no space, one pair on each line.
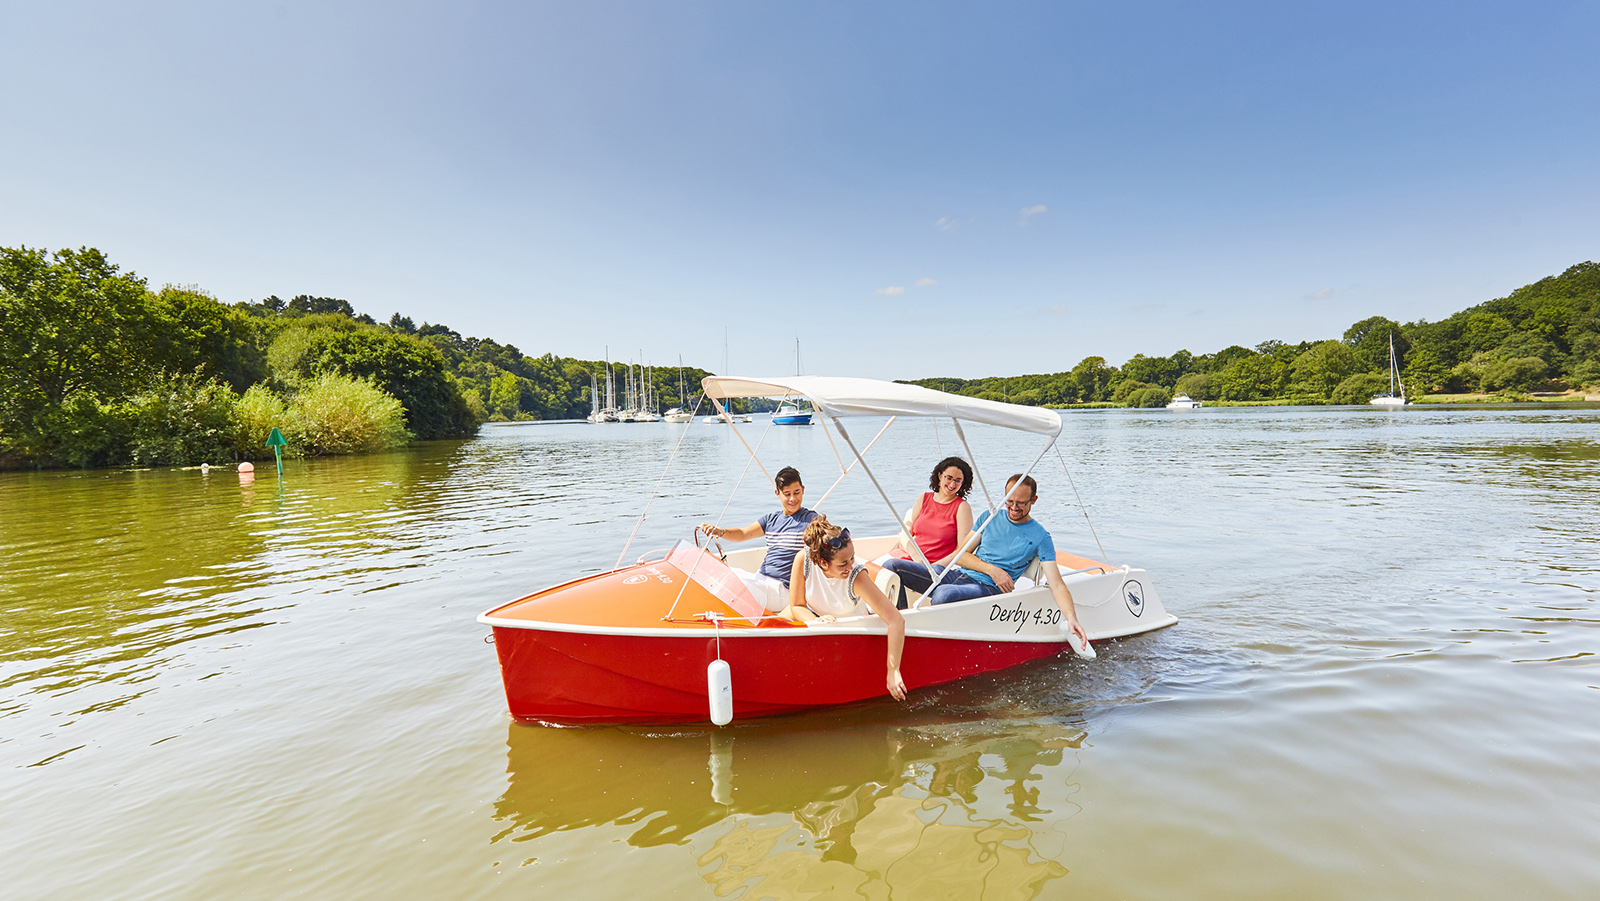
888,583
1034,575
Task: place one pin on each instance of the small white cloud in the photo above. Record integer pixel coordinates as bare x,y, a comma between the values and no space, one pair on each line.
924,283
892,290
1322,294
1054,310
1028,212
945,224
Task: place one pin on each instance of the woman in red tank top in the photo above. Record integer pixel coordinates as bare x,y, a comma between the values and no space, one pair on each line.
940,523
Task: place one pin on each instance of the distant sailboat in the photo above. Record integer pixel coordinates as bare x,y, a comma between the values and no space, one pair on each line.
678,413
646,411
595,413
607,413
790,413
1392,399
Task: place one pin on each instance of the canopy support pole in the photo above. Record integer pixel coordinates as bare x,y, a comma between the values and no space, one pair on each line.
868,470
973,459
852,462
829,435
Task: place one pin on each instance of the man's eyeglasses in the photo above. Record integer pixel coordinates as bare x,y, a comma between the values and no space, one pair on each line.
1018,505
838,541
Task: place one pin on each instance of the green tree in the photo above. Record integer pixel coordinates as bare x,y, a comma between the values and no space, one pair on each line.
1515,373
1485,331
405,367
1257,377
1092,377
1198,385
1369,341
198,335
1223,358
505,396
1530,344
69,322
1321,368
1156,370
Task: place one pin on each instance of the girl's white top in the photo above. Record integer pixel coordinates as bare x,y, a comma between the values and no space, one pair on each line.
834,596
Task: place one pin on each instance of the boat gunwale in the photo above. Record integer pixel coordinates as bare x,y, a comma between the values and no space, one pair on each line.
735,627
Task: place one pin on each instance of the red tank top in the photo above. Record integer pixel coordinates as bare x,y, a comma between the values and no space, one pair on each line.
934,528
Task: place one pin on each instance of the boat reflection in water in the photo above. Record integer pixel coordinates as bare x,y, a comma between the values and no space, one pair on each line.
814,807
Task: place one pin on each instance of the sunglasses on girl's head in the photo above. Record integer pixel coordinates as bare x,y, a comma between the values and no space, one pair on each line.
838,541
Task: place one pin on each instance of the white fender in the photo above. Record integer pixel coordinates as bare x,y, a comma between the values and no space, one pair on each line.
719,690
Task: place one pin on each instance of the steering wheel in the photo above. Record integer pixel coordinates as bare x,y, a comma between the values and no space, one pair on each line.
721,553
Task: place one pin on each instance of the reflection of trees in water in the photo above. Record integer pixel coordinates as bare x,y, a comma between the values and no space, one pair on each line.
108,574
873,809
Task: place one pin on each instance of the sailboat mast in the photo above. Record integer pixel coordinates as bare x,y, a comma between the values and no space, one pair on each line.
611,384
1394,369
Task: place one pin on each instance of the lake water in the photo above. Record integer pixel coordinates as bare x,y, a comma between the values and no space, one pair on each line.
1383,683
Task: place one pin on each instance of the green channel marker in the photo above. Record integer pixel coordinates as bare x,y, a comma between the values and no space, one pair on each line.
277,442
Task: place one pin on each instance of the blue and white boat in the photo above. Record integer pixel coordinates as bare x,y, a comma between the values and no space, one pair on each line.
790,414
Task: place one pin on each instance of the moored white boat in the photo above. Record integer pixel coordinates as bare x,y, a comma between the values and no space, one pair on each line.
633,644
1183,402
1397,389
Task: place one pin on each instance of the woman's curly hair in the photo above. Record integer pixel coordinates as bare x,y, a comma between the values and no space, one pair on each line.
946,463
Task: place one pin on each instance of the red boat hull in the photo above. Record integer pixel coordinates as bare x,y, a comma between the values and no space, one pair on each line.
580,677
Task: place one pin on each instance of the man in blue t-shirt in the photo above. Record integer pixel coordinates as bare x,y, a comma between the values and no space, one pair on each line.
784,529
1008,546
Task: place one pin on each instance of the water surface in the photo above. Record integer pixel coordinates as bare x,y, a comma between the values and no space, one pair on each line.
1383,682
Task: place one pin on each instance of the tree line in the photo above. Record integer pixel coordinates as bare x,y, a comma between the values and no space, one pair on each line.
1542,337
98,369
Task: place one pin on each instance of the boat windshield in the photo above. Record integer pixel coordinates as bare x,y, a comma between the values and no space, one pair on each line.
709,572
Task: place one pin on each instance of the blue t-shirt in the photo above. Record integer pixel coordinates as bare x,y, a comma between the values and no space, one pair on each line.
784,540
1010,546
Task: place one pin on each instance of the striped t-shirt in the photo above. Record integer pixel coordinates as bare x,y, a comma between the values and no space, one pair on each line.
784,540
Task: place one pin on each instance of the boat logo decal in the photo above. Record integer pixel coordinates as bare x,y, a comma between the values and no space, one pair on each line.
649,571
1133,593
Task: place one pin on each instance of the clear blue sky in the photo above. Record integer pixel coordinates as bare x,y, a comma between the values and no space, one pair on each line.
909,189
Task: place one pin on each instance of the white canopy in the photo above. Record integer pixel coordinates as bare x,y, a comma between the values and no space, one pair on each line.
834,396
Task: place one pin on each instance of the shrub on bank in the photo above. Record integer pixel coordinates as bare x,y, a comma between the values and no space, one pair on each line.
337,414
188,422
1154,396
82,432
256,414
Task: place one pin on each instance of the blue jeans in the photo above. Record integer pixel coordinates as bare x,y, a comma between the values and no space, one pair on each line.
913,575
958,586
